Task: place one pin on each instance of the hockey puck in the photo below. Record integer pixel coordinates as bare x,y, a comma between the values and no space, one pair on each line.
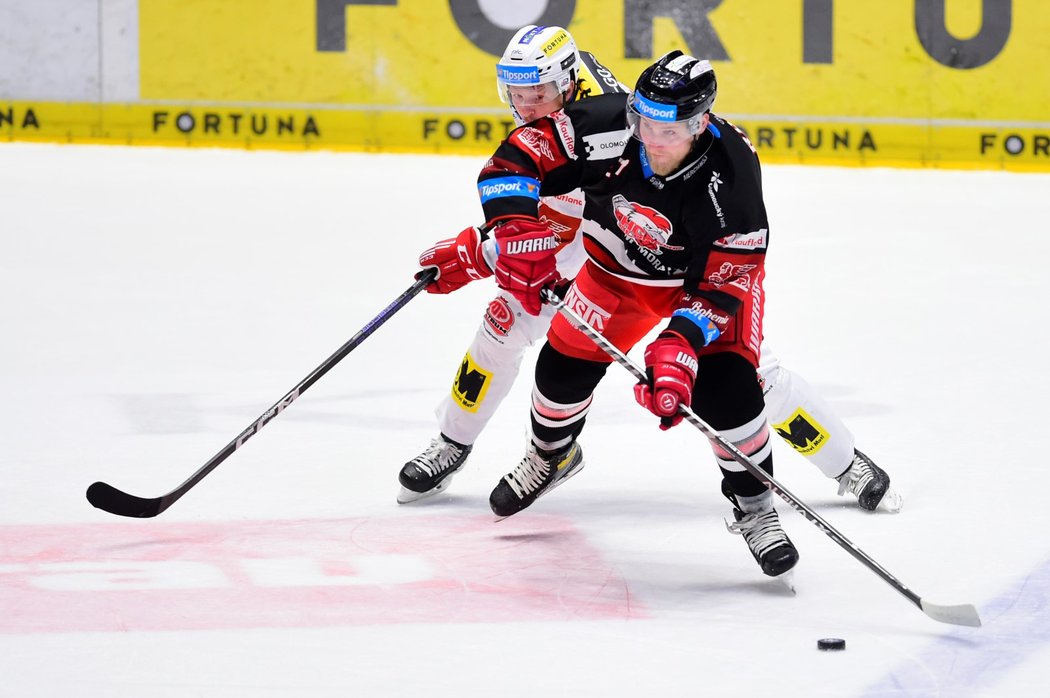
831,643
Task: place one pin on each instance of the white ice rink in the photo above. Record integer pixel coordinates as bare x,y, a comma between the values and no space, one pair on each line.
155,302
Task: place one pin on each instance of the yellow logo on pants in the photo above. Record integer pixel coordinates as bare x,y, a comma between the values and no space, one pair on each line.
805,434
471,384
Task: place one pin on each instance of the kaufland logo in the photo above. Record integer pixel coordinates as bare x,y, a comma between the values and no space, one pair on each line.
655,110
518,75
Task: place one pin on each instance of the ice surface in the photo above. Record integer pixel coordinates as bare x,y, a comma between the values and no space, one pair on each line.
155,302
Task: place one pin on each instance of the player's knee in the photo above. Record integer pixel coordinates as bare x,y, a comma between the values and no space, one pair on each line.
726,395
566,379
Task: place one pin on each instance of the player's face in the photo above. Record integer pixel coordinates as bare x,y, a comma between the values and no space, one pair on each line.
666,143
662,135
535,101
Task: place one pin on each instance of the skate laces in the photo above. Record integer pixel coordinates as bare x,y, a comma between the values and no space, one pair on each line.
859,475
439,457
761,530
529,475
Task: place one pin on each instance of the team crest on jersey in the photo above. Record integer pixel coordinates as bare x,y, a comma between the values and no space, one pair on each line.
499,317
732,274
646,227
536,142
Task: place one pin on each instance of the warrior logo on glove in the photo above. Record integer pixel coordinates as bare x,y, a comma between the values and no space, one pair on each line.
526,263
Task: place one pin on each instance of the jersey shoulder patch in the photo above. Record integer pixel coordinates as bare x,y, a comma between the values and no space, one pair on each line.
599,126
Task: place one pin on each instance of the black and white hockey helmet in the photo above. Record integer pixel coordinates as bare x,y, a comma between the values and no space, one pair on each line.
675,88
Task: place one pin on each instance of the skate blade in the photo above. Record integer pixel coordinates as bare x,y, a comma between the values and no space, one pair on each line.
407,496
891,502
788,581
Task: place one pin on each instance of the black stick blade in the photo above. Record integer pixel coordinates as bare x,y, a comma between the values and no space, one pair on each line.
109,498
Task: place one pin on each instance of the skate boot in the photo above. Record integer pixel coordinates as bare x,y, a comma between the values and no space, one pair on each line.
431,471
870,484
757,521
535,475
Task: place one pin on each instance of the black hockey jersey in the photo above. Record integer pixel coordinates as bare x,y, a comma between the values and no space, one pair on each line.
703,227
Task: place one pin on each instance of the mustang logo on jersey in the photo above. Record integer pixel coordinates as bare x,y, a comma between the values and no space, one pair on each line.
734,274
471,384
646,227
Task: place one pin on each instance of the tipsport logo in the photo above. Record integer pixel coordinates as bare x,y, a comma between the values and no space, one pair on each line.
654,110
509,186
518,75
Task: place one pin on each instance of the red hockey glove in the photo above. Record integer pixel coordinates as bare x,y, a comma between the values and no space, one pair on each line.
458,260
670,364
526,260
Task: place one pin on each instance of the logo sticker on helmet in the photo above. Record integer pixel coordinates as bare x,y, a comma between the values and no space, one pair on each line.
654,110
530,35
555,43
518,74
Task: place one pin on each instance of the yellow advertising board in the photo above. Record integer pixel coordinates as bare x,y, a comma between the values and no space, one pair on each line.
959,83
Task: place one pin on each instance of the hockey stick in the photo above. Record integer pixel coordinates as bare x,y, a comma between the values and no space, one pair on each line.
109,498
963,614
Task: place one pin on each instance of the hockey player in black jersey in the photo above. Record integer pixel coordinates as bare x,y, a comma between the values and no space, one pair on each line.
676,233
539,73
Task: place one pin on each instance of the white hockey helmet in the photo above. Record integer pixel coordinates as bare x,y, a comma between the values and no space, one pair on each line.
538,64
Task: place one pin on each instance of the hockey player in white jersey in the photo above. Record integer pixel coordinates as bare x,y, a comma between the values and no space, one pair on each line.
541,71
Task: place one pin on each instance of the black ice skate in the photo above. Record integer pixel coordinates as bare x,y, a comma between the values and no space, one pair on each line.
769,544
536,474
870,484
431,471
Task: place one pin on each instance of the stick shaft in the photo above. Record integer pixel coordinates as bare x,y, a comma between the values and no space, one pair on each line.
960,615
117,502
